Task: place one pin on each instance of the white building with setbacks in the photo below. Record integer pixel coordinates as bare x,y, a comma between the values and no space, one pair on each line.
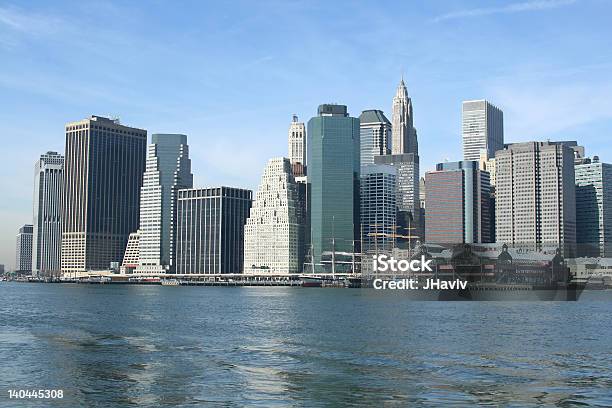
273,232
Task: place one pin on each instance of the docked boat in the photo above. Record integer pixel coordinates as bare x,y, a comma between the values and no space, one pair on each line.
170,282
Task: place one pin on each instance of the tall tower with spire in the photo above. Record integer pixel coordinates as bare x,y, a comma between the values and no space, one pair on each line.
404,135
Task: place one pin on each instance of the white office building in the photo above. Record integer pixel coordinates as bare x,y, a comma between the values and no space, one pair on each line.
273,231
482,128
297,147
168,169
47,217
23,250
375,136
536,196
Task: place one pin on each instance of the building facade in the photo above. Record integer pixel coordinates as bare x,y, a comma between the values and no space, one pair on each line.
23,250
409,216
47,220
457,197
333,178
297,147
131,258
535,196
404,133
375,136
482,129
274,231
104,165
594,209
168,169
210,232
378,208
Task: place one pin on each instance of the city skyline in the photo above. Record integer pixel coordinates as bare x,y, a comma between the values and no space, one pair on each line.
37,107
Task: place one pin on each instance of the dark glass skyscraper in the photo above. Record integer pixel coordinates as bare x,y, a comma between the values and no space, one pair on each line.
103,172
333,176
210,229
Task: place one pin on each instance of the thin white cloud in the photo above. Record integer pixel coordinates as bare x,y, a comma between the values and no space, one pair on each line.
16,20
533,5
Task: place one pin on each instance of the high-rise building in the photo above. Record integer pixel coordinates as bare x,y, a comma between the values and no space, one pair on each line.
375,136
378,208
594,208
23,250
2,269
535,196
333,177
409,222
168,169
210,230
274,231
482,129
47,220
297,147
404,134
103,172
457,204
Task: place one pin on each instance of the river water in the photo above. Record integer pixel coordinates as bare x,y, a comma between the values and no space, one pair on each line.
114,345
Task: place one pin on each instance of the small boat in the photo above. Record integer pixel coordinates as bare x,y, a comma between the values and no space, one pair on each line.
311,281
170,282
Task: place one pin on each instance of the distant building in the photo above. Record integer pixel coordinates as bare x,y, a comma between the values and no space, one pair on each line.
210,233
482,129
378,208
23,250
47,225
168,170
297,147
457,204
535,196
422,192
333,177
404,134
131,258
103,170
594,208
2,271
407,196
274,231
375,136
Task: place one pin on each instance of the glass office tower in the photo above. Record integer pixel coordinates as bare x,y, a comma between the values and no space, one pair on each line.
333,176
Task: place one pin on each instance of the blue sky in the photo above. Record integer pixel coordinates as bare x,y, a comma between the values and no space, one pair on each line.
230,74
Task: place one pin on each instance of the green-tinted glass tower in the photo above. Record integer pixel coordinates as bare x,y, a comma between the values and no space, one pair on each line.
333,175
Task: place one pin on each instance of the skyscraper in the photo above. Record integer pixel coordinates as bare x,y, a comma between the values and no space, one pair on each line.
535,196
482,129
297,147
403,131
594,208
409,221
333,177
375,135
47,225
168,169
23,250
378,208
210,229
273,234
103,172
457,200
